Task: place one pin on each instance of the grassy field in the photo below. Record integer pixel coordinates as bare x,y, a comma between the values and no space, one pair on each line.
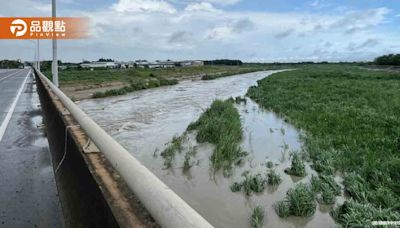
351,122
68,77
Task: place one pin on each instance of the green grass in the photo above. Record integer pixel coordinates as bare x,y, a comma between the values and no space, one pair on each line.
257,217
220,125
351,122
229,73
354,214
299,201
188,163
273,179
176,145
251,183
328,188
298,167
136,85
269,164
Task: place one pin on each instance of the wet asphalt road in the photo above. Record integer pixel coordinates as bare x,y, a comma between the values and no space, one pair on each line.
28,193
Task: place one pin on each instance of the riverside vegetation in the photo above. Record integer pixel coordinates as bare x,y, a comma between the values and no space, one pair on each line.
351,122
219,125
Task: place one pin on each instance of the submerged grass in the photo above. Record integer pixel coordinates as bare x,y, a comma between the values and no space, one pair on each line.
298,168
176,145
351,124
251,183
257,217
220,125
188,163
299,201
273,179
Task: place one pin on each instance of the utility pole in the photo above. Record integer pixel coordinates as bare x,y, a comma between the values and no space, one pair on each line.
38,55
55,60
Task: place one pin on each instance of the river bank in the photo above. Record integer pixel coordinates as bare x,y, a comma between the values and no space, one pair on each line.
85,84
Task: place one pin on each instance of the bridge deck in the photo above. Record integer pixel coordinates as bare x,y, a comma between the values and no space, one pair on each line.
28,192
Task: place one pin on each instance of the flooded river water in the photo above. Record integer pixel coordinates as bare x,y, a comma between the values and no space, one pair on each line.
145,121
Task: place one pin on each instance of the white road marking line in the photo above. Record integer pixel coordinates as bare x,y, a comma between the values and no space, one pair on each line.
7,119
9,75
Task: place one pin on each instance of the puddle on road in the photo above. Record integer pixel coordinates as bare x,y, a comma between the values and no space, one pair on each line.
143,122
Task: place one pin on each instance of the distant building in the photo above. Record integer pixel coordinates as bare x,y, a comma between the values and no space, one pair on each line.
99,65
191,63
167,64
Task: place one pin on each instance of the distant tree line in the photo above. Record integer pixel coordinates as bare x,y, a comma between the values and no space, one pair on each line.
46,64
105,60
6,64
391,59
228,62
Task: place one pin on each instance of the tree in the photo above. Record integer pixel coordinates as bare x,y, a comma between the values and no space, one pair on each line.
391,59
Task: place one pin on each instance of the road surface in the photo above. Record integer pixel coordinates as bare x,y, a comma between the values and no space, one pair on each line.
28,193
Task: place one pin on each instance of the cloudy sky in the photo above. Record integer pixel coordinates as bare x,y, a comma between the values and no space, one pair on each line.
251,30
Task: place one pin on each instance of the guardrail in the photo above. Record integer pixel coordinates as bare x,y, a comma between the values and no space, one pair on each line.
165,206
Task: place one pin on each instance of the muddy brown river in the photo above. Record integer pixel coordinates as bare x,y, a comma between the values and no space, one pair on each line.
145,121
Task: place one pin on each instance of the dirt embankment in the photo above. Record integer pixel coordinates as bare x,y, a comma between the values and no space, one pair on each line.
85,90
80,92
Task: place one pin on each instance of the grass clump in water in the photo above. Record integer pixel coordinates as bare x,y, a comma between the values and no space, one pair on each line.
273,179
257,217
176,145
327,186
299,201
188,163
323,164
220,125
251,183
269,164
298,167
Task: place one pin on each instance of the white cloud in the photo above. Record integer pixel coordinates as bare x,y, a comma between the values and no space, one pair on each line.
225,2
159,29
202,6
315,3
143,6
